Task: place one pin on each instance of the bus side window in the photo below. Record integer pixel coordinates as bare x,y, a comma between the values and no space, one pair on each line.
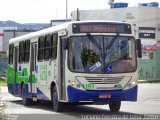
47,47
41,41
11,49
21,51
54,38
27,51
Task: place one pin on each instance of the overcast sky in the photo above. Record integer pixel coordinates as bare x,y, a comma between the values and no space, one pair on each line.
42,11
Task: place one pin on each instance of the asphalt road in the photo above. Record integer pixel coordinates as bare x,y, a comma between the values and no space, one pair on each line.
147,107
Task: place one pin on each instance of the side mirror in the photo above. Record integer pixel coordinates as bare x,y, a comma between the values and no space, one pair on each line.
139,49
65,43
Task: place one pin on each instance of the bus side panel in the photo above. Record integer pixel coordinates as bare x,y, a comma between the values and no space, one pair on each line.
12,86
43,80
24,78
21,77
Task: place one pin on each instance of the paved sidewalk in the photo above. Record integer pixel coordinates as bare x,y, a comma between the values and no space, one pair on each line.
2,105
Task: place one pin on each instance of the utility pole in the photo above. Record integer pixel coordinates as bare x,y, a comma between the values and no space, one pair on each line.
14,33
66,10
78,17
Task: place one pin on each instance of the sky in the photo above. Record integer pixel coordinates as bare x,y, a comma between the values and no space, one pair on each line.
42,11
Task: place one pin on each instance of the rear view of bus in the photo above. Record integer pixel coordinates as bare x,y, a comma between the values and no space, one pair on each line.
101,63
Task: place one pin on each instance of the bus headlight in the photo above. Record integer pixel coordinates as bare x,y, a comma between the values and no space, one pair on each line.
131,84
74,83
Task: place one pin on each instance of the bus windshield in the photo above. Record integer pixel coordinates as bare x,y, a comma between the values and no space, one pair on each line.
102,54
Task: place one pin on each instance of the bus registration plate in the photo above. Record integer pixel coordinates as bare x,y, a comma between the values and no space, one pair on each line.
105,96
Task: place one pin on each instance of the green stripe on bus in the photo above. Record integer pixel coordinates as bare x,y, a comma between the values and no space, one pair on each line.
25,77
33,78
18,77
10,75
25,71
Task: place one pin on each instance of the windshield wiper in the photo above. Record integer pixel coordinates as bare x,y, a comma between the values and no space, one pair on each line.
112,41
94,41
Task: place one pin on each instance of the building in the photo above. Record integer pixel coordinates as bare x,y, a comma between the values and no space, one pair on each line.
2,29
146,19
8,34
57,22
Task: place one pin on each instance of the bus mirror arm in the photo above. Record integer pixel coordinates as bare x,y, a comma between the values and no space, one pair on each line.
65,43
139,49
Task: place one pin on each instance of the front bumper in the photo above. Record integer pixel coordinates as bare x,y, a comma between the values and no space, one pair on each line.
76,95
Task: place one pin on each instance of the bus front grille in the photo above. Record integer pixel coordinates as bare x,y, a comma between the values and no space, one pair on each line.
104,80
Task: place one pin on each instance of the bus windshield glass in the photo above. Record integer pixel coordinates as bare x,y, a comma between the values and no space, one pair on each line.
102,54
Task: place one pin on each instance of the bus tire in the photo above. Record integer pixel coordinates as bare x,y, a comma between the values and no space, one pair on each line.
115,106
25,101
57,106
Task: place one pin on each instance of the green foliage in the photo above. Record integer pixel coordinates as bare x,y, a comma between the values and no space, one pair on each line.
3,117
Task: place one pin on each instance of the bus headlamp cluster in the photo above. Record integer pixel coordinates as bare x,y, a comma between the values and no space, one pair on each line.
74,83
131,84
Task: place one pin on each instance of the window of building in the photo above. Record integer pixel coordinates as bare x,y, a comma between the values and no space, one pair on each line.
11,50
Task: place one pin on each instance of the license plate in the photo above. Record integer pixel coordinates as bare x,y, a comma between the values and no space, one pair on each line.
105,96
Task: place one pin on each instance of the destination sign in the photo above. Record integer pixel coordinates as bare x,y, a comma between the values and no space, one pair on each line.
101,28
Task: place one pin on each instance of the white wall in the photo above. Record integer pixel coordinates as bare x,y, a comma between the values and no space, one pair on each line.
2,42
140,16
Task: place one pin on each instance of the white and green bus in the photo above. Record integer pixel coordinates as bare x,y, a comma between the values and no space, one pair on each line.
76,62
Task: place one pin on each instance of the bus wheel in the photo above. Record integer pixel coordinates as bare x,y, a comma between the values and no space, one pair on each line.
115,106
25,101
57,106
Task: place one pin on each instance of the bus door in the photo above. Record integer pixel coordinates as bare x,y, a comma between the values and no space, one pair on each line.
33,69
15,65
62,70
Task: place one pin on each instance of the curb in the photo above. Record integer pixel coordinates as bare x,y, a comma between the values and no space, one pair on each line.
2,106
148,81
